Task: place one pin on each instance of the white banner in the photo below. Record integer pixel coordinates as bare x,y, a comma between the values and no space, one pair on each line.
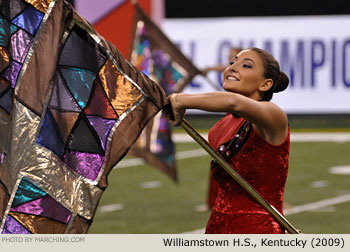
175,242
314,51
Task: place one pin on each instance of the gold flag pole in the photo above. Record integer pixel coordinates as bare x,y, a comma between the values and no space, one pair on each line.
211,83
241,181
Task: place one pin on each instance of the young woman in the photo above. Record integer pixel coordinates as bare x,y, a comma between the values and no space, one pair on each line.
253,137
213,185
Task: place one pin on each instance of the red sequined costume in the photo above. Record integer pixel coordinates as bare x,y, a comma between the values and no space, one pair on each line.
212,191
263,165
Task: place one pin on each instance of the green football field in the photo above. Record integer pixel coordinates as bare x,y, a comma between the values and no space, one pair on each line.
142,200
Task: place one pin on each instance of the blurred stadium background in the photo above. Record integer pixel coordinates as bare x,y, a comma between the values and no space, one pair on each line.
140,199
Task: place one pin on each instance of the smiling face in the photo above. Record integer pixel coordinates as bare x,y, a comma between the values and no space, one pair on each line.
245,75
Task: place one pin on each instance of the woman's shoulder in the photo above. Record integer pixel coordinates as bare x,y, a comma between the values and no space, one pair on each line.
274,143
272,123
273,118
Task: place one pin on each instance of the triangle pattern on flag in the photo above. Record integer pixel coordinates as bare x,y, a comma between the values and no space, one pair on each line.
61,98
6,100
27,191
39,225
50,136
23,39
42,5
29,20
84,138
6,30
12,72
65,122
11,9
81,51
4,84
5,59
86,164
167,73
102,127
120,91
99,104
79,82
12,226
45,207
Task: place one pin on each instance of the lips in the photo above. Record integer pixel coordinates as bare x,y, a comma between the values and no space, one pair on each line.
232,78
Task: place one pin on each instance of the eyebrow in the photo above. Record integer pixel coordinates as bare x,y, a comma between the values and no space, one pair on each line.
235,57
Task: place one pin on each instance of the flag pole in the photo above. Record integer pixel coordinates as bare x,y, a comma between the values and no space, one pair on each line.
213,84
240,180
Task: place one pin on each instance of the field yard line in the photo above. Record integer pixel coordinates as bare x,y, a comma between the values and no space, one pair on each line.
317,205
185,138
295,137
179,155
302,208
129,162
191,154
339,137
111,208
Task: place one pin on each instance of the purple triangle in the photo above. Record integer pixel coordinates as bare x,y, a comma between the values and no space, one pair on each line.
86,164
102,127
12,72
46,207
13,227
20,44
61,98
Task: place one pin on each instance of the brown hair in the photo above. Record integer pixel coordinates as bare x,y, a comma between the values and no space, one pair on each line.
272,71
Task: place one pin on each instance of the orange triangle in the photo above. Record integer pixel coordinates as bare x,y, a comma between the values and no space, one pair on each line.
98,103
65,122
3,84
39,225
5,58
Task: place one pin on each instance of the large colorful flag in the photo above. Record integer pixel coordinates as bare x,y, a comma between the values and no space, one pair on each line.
155,55
158,57
70,108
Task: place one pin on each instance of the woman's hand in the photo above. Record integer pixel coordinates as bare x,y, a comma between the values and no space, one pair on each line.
178,111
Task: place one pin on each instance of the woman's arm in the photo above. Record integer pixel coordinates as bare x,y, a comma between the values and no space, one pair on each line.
269,120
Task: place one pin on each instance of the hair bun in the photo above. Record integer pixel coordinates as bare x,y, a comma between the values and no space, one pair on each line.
282,82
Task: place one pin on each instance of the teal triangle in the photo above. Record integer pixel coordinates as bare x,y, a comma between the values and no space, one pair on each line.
13,29
6,30
79,82
27,191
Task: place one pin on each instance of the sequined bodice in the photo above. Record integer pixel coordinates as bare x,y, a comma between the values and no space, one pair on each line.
263,165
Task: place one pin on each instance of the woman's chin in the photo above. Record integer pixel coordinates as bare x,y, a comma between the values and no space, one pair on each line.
229,88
